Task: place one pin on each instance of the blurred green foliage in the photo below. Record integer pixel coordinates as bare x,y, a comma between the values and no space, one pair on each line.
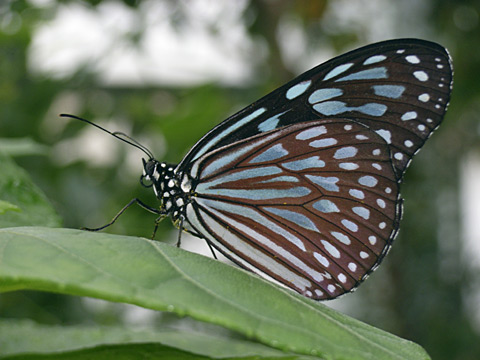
419,292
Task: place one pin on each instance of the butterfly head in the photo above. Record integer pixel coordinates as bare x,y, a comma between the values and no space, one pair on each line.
166,186
149,172
159,175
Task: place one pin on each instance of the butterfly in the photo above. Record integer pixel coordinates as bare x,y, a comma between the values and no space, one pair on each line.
302,186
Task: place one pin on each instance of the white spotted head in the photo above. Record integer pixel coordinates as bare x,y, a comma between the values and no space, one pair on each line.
166,185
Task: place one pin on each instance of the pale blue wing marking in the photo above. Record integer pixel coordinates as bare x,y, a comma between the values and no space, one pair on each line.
326,206
273,153
294,217
328,183
369,74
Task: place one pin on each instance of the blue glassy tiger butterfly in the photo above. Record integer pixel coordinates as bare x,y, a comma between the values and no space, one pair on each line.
302,186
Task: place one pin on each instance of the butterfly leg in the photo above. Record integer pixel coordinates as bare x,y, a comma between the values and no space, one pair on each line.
157,221
180,227
181,219
133,201
211,249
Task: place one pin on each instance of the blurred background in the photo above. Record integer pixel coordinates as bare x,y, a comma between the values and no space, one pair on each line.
167,71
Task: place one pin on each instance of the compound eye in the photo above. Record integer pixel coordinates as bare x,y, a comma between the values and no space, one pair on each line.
150,167
146,181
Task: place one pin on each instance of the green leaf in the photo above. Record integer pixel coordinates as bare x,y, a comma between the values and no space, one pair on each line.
21,147
115,352
18,190
6,206
161,277
26,337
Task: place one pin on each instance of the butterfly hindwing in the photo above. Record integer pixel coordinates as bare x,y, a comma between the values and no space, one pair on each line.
314,206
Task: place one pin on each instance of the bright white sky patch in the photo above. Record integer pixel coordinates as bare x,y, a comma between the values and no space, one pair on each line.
470,200
470,214
187,55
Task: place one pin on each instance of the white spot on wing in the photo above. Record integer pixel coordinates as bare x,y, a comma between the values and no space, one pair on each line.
362,212
386,134
284,178
348,166
338,107
328,183
345,152
373,73
298,89
409,115
350,225
389,91
381,203
337,70
271,123
358,194
374,59
323,142
325,206
368,180
363,254
332,250
424,97
341,237
412,59
361,137
302,164
294,217
273,153
421,75
324,94
408,143
321,259
311,133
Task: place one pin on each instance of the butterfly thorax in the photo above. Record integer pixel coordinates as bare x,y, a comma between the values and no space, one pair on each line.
171,188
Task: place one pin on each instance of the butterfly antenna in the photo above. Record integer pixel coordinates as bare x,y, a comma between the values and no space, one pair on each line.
117,134
122,136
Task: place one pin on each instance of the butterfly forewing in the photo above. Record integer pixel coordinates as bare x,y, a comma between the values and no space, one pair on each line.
398,88
315,205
